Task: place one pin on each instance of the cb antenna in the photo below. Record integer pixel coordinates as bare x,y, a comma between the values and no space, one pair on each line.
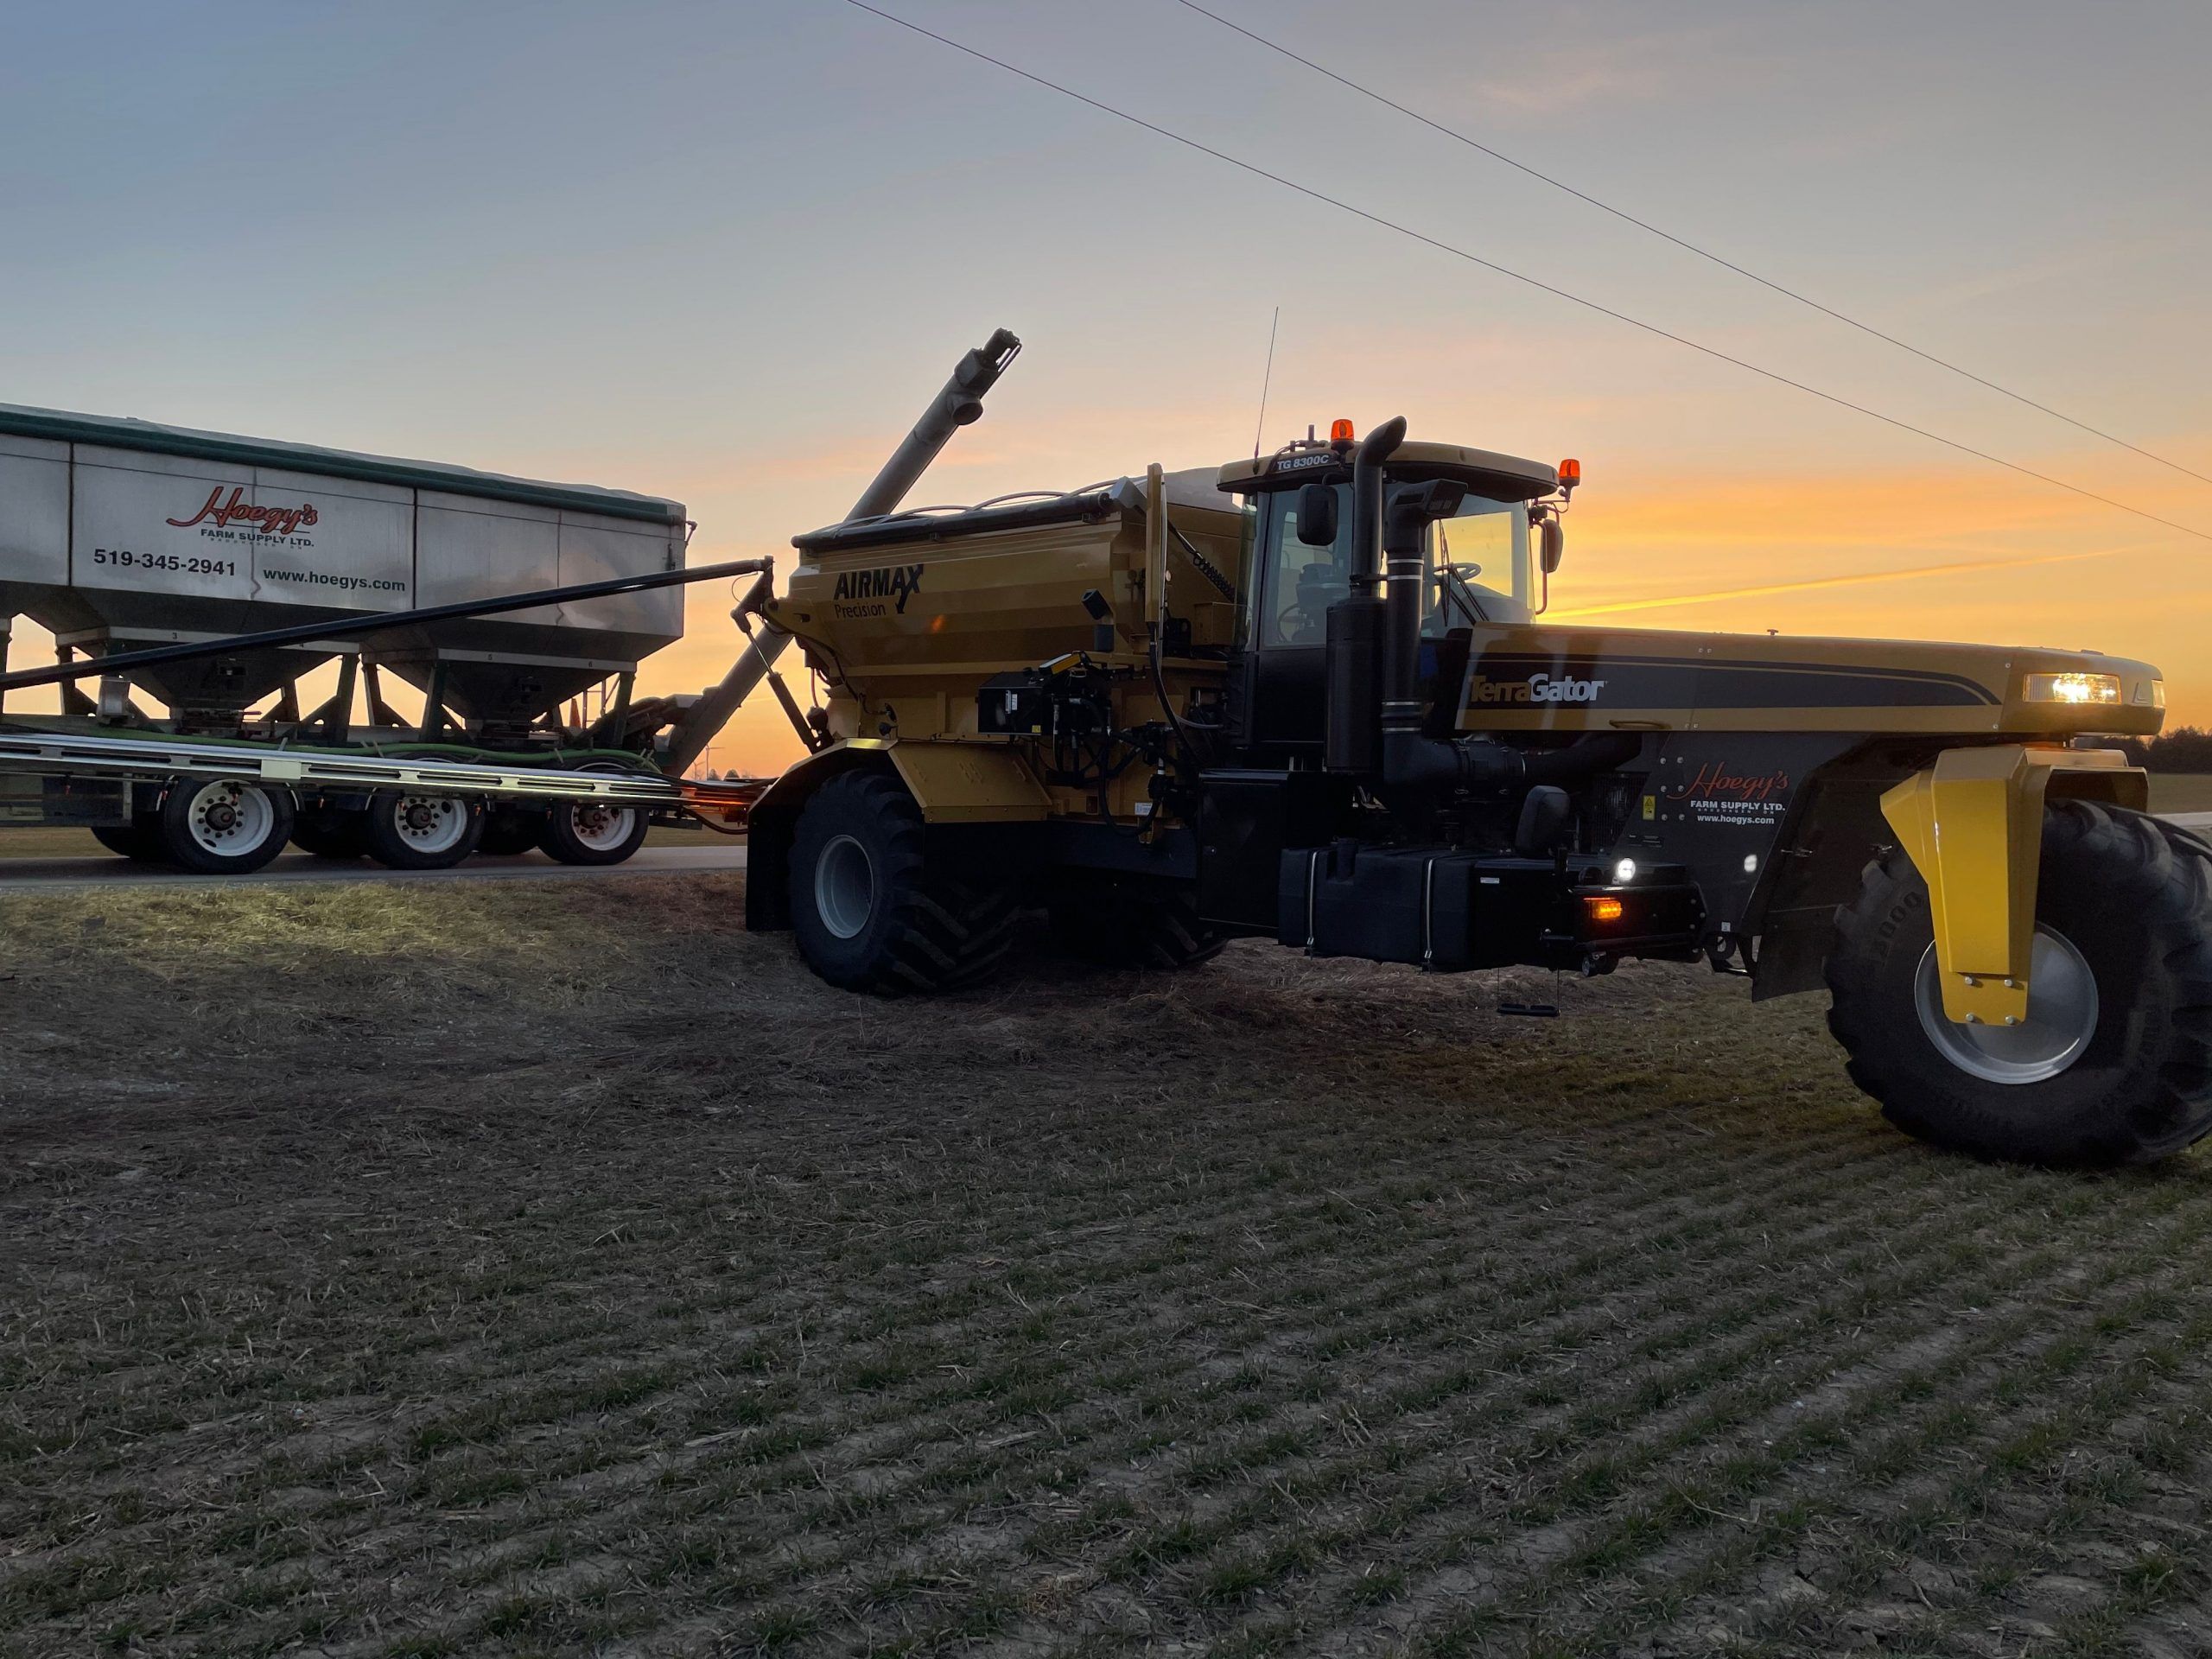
1266,380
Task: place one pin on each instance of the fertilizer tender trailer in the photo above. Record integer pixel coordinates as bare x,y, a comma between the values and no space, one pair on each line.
212,573
1310,697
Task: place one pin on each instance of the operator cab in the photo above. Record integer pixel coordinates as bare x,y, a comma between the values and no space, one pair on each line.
1479,569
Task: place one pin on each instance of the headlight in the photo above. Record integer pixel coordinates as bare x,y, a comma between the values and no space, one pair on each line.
2073,688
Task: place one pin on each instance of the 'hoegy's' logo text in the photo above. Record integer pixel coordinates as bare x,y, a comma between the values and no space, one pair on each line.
1537,688
270,521
1714,782
893,581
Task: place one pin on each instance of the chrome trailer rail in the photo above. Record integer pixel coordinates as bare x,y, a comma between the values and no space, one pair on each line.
154,759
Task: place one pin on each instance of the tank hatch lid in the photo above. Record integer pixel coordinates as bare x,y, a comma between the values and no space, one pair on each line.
1500,478
1191,488
117,432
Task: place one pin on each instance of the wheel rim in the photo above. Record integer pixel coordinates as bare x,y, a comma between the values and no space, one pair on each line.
844,886
430,823
602,827
2061,1018
230,819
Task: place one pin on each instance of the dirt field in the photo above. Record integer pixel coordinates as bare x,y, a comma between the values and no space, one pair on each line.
2180,791
509,1269
2170,792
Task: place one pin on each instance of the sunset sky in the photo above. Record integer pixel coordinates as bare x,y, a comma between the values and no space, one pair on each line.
722,252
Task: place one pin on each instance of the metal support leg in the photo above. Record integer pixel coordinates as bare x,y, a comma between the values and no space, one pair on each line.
381,714
434,704
74,702
334,720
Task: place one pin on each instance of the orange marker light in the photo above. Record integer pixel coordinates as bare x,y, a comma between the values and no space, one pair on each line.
1339,431
1570,472
1605,910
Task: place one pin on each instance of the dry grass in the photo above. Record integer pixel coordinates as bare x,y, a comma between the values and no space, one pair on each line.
520,1269
40,841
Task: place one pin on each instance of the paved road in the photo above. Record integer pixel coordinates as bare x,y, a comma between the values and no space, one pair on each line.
41,874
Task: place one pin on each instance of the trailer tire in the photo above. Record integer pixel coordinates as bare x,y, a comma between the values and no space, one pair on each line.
407,830
2119,1073
223,826
1132,922
332,832
878,905
139,840
509,830
592,832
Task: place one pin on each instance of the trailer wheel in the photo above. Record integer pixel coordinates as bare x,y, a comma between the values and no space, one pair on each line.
409,831
140,840
2114,1064
877,906
1132,922
223,828
592,832
332,833
509,830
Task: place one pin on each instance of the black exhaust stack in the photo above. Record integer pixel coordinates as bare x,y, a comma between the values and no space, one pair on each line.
1353,741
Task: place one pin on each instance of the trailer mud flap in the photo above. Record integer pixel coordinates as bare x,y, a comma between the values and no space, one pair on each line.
1971,824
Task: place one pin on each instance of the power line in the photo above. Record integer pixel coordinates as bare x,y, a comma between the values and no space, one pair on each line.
1652,328
1688,246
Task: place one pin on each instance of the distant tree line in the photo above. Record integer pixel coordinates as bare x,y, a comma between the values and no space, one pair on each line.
2185,748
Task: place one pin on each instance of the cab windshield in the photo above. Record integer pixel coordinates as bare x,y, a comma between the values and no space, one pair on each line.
1478,570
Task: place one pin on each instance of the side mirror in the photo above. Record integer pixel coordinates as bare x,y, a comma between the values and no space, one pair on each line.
1317,516
1555,545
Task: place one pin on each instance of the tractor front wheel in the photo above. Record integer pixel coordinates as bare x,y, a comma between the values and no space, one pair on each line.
878,904
2113,1063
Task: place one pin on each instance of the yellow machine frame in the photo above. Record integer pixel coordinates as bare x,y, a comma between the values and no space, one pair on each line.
1973,825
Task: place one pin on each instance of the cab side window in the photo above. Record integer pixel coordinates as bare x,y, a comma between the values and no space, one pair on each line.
1302,582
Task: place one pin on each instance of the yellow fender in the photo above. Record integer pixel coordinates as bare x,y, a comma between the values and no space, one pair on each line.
1971,824
952,783
969,783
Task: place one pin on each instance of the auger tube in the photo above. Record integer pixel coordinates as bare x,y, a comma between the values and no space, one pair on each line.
958,403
